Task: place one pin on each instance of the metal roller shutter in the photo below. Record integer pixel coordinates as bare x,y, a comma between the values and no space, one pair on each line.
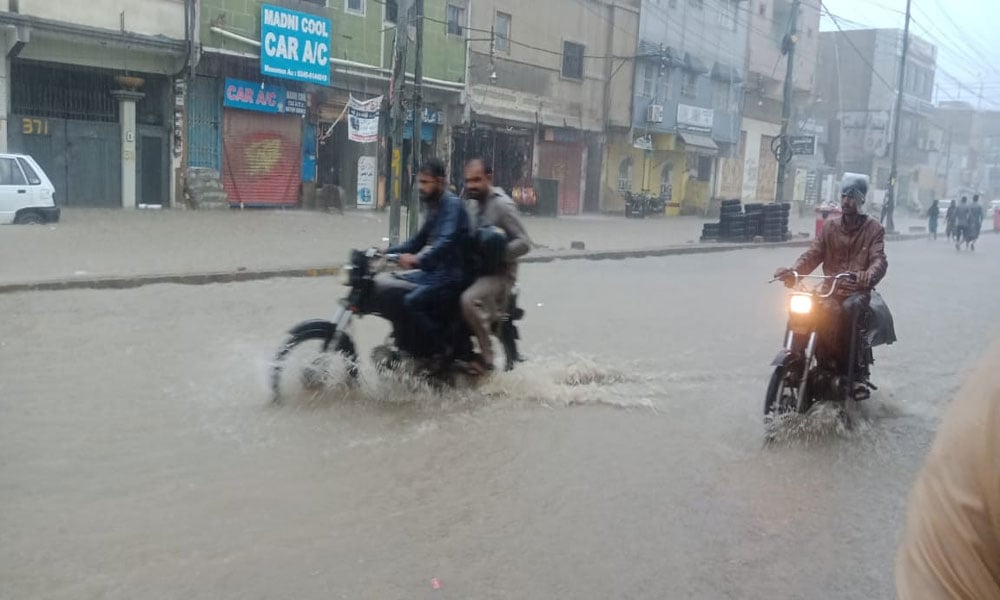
262,157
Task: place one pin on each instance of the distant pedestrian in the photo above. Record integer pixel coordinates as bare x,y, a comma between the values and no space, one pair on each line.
949,219
963,220
976,216
932,219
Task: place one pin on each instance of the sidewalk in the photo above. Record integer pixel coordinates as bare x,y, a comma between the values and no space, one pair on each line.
90,244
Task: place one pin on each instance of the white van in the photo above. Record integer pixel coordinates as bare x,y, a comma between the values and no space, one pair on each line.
26,194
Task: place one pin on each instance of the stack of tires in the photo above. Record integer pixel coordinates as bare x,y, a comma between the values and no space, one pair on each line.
731,223
775,222
755,220
711,232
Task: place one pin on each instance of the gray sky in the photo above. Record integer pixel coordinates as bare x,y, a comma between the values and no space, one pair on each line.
965,35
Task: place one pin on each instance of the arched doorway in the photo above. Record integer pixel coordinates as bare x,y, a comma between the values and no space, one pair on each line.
667,181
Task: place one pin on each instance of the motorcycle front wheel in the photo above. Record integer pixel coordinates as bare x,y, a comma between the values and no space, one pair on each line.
309,355
781,397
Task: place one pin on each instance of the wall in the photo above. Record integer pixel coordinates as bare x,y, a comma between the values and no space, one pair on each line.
647,171
755,130
148,17
354,37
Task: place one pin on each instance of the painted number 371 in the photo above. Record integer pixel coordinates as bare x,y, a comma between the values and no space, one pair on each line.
34,126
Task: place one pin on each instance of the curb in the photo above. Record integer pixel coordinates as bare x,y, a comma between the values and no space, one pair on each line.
244,275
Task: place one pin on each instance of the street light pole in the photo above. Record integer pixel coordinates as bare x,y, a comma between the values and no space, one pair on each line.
416,143
788,99
890,205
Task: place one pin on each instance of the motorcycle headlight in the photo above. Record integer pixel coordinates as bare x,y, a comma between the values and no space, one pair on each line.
345,274
800,304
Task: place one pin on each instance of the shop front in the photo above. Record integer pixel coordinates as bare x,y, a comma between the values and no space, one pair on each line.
508,150
562,157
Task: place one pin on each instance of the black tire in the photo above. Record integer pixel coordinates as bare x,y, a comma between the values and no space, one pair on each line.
345,347
776,403
29,217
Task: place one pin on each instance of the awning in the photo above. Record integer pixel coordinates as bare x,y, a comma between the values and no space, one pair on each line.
702,143
693,64
723,72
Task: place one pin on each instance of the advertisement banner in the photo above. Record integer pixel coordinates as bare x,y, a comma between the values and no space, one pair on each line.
362,120
366,182
294,45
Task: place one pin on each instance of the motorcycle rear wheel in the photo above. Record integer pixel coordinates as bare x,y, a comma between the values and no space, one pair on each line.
317,345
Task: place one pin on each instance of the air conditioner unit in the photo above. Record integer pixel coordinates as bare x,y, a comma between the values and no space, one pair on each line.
654,114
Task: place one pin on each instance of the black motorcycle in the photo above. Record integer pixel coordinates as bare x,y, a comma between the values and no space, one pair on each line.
811,368
374,289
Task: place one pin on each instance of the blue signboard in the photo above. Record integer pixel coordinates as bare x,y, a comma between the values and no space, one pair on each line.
294,45
263,97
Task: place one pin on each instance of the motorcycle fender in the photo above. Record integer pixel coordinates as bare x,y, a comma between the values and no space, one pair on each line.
782,359
314,329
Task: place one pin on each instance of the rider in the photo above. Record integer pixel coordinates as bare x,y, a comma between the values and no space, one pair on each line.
852,243
490,207
438,252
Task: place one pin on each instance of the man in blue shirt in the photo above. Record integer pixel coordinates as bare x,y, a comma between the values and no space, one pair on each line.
438,252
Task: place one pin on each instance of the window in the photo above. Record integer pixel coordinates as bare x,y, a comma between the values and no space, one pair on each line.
690,87
501,27
572,66
317,2
33,177
456,18
720,95
705,168
667,182
648,80
356,7
391,11
625,175
697,3
10,173
762,7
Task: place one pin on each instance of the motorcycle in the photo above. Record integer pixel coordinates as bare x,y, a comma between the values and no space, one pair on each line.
806,372
374,289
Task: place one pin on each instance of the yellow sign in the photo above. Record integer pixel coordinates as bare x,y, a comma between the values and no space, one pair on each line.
397,158
30,126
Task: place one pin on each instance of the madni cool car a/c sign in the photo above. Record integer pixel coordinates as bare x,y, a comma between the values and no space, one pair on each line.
294,45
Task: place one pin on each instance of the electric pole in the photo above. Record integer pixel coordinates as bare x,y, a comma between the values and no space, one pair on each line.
784,154
397,116
416,143
890,205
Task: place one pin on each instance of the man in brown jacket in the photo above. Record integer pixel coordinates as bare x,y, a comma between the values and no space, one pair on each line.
486,299
951,546
852,243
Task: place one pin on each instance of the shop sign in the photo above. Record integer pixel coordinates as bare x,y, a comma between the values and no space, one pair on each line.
294,45
366,182
695,118
263,97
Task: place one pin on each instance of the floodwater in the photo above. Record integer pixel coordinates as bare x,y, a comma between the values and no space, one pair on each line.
140,456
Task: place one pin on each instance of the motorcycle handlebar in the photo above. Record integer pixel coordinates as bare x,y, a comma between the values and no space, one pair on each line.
852,277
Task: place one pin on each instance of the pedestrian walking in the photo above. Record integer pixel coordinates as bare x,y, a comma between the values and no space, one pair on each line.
963,218
949,220
976,216
932,220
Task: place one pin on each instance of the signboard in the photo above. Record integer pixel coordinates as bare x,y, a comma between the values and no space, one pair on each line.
262,97
362,119
366,182
294,45
695,119
802,145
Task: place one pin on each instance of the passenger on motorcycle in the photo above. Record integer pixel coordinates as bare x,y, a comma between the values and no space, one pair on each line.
490,209
438,253
852,243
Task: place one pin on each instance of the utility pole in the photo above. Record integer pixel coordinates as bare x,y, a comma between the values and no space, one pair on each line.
789,97
397,116
416,143
890,205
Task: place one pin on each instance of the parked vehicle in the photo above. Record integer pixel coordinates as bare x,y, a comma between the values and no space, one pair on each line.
26,193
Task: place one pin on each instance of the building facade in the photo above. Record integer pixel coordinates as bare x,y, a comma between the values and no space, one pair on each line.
859,97
279,155
91,91
547,81
686,105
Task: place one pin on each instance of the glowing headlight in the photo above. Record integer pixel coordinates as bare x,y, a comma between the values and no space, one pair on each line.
345,275
801,304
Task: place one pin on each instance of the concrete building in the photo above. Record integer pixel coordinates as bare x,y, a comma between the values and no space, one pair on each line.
965,148
279,153
93,91
859,95
766,62
543,96
686,105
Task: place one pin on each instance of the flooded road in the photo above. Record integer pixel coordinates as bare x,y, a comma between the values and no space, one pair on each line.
140,458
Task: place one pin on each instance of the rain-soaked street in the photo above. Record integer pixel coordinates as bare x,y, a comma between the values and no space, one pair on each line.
140,457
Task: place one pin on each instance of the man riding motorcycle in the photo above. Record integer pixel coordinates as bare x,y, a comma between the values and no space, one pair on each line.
438,253
852,243
489,207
